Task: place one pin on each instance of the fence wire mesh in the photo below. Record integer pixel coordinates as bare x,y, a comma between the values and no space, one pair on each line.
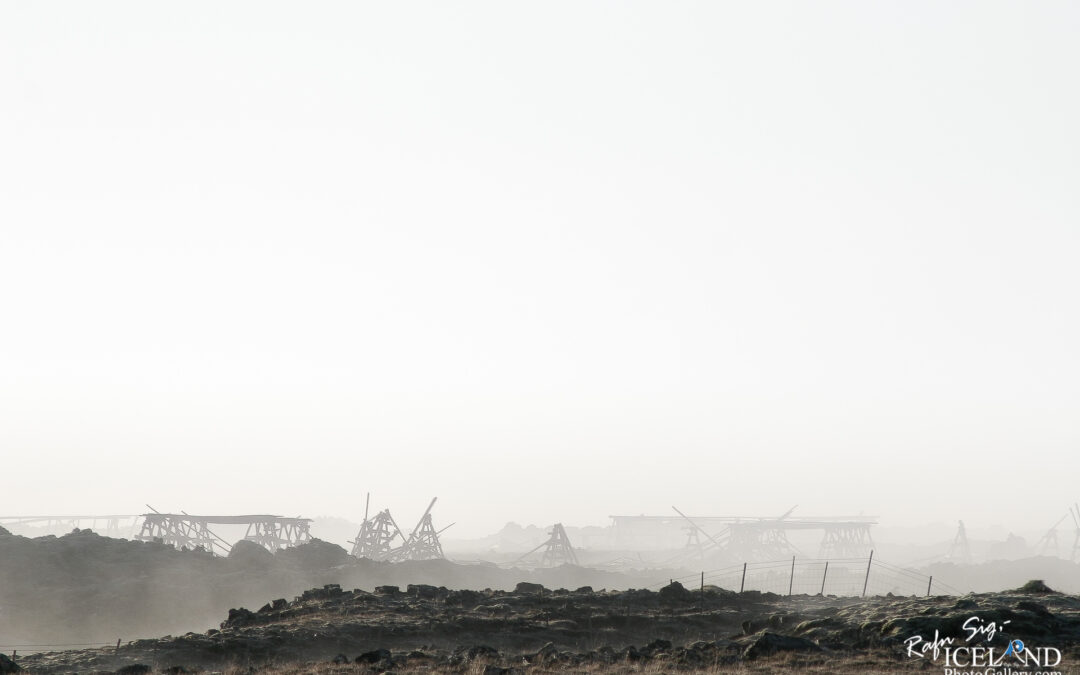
810,576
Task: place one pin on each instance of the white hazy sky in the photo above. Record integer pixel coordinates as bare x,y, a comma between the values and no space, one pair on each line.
549,261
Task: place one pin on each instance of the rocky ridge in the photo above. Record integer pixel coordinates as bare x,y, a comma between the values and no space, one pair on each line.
425,627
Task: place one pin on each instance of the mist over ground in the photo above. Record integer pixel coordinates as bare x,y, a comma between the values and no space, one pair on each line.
560,263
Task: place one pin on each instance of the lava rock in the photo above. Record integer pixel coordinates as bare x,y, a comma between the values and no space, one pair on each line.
463,655
425,591
238,618
676,592
630,654
379,656
770,643
327,592
7,665
249,554
1035,586
1035,608
464,597
315,555
526,587
656,647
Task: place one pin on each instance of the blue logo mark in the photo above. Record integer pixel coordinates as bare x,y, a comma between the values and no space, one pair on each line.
1015,647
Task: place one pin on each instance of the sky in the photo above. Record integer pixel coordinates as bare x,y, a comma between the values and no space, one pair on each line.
546,261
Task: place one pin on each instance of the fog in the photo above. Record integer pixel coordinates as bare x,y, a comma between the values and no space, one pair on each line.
549,263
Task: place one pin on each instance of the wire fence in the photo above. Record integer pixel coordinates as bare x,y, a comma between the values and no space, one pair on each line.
852,577
814,576
33,648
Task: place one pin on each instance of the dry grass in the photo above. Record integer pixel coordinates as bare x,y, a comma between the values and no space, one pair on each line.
790,663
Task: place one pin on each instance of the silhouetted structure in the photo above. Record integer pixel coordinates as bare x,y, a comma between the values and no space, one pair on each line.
960,549
757,539
185,531
1048,543
557,549
1075,513
376,537
423,542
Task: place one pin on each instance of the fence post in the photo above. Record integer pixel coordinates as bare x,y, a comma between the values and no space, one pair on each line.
703,589
742,584
928,584
867,580
791,582
824,574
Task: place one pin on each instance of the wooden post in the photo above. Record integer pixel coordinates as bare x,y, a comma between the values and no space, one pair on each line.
867,580
824,574
928,584
791,582
703,589
742,584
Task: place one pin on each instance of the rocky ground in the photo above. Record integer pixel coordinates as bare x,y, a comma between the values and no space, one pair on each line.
84,588
535,629
429,617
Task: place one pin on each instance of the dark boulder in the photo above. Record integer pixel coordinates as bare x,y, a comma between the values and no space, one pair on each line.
238,618
424,591
1035,586
379,656
463,655
526,587
464,597
248,554
327,592
656,647
478,651
7,665
315,556
676,592
606,654
630,654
